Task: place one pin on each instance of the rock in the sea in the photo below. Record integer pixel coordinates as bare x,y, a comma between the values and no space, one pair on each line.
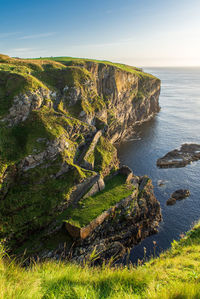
171,201
161,183
180,194
179,158
177,195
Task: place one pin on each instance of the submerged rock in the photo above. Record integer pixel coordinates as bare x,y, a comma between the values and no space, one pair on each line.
161,183
180,158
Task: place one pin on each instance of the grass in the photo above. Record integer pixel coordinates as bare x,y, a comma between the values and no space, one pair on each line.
105,156
89,208
34,201
70,61
173,275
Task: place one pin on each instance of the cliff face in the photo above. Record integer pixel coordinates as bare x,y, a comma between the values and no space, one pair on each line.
58,120
130,98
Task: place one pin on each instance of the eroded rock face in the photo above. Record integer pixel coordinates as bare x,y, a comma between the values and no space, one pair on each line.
128,108
53,149
23,104
128,99
189,152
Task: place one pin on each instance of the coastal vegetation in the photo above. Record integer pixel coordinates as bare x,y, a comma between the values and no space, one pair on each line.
175,274
89,208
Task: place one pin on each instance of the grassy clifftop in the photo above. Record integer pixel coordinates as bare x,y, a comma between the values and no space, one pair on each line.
72,61
175,274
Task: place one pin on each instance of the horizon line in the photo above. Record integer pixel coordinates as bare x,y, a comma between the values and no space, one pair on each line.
107,60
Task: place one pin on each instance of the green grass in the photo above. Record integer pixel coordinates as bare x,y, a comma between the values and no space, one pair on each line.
89,208
105,156
30,205
82,62
174,275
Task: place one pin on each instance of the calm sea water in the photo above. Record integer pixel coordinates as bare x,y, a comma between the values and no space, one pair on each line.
177,122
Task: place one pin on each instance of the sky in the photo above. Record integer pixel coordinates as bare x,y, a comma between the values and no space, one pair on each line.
136,32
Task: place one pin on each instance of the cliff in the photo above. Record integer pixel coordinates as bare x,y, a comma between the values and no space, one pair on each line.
58,121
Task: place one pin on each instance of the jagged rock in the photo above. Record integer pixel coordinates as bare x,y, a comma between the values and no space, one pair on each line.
54,147
180,194
24,103
73,95
86,163
179,158
98,186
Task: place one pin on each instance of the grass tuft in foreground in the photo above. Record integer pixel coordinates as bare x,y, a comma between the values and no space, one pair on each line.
175,274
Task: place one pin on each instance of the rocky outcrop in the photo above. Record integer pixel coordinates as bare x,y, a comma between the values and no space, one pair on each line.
83,232
23,104
188,153
53,148
130,221
97,187
178,195
86,163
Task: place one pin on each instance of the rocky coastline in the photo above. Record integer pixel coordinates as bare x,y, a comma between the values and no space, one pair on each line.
58,131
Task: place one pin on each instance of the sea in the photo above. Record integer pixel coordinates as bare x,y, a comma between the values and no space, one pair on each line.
177,122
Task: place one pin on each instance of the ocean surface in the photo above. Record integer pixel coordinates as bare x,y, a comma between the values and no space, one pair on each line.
177,122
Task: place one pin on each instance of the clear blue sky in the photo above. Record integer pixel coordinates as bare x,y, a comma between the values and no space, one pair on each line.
141,33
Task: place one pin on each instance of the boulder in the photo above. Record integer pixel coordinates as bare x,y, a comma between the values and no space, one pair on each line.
180,194
177,195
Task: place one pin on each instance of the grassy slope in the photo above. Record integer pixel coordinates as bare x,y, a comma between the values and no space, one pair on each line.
30,204
116,189
175,274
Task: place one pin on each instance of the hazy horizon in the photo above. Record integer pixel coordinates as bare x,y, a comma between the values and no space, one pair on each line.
140,33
